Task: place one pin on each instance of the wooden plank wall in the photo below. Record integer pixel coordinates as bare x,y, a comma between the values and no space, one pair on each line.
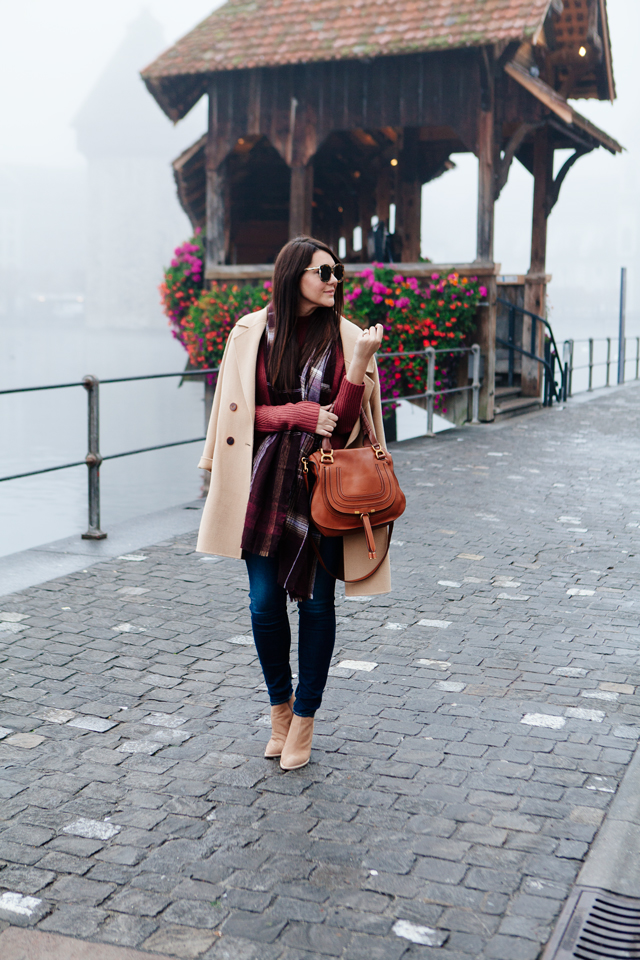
297,107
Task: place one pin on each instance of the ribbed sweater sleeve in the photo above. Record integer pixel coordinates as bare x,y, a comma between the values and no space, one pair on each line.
287,416
347,405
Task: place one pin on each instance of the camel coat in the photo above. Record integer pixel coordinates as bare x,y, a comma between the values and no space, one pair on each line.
228,452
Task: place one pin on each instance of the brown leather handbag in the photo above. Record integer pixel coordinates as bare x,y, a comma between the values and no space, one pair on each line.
355,489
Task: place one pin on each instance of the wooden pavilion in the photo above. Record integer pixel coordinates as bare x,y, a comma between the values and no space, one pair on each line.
322,114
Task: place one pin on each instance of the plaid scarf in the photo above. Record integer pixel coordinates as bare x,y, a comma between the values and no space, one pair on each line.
277,522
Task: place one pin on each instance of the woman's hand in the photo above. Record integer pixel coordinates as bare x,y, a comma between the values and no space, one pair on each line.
326,421
368,342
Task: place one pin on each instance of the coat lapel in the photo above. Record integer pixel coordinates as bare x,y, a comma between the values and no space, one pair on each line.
247,338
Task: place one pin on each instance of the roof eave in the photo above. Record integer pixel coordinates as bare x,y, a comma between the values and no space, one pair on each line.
559,106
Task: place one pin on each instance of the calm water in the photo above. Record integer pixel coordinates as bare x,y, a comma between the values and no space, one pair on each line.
46,428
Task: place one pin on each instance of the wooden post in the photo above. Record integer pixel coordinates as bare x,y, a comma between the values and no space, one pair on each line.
410,197
486,201
217,213
486,190
366,210
300,201
486,338
535,281
383,191
216,218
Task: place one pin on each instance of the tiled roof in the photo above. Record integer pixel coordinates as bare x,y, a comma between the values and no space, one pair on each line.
260,33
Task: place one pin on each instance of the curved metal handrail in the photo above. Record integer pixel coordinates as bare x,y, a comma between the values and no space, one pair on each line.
552,385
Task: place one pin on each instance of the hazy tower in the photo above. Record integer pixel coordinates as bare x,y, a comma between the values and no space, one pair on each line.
134,220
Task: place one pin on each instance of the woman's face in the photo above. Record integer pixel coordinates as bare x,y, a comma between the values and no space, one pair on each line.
313,292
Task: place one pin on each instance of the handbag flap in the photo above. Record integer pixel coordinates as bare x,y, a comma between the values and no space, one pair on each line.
357,482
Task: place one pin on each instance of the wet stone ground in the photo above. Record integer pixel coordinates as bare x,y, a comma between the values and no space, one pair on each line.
475,728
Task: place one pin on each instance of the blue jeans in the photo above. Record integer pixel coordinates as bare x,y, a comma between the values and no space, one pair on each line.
316,629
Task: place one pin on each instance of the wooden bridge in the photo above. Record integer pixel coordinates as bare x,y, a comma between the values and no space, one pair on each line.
325,118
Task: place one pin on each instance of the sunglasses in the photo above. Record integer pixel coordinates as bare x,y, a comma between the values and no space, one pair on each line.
326,270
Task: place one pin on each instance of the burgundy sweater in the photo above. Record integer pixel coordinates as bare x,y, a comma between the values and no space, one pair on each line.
346,398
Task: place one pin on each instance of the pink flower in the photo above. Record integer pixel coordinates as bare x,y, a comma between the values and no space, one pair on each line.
402,302
482,291
376,298
435,276
267,285
398,278
379,288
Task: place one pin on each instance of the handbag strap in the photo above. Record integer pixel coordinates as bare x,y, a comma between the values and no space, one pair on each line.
357,579
369,435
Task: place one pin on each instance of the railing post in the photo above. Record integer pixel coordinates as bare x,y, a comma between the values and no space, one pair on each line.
590,387
475,389
548,376
622,345
567,360
608,361
571,369
512,340
209,391
431,382
93,458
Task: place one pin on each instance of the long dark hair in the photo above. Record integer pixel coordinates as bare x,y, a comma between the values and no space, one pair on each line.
286,359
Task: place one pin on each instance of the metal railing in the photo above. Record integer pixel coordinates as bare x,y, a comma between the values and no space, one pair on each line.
94,458
431,393
550,390
621,359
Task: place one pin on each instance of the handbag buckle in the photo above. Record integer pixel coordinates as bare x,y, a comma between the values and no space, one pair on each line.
326,457
379,452
305,465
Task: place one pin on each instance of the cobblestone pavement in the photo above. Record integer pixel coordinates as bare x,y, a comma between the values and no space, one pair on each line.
476,725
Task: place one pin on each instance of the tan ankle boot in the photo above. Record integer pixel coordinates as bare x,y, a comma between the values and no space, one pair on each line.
297,749
280,722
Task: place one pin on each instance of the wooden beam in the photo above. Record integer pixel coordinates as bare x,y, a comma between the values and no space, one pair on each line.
486,337
300,201
542,180
220,139
535,284
486,157
217,229
541,90
383,191
555,185
409,202
263,271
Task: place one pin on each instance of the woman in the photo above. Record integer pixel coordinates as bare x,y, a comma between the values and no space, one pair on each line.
292,373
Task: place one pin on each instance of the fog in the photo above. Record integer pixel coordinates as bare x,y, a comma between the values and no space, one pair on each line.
89,216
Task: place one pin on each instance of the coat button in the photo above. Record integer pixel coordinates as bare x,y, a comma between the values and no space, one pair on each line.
230,441
233,406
